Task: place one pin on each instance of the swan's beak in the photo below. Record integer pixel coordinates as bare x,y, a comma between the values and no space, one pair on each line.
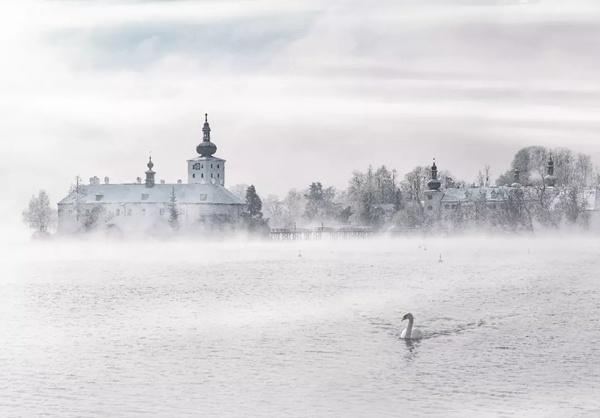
404,319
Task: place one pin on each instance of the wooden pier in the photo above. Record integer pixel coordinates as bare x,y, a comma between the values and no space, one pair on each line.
293,234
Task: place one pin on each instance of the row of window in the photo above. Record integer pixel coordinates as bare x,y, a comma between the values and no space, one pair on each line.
198,166
202,175
453,206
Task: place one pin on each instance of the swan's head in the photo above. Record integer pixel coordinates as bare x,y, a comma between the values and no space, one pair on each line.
408,316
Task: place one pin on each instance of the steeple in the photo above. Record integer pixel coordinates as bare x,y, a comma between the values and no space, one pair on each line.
206,148
434,183
550,179
150,174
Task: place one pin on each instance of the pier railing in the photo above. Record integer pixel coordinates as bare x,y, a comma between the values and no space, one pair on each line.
292,234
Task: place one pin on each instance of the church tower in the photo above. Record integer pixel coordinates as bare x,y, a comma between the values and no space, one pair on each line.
206,169
433,196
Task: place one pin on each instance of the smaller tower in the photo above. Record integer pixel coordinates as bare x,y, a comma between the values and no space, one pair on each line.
150,174
517,180
434,183
433,196
550,179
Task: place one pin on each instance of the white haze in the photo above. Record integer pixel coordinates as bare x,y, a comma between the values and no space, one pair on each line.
295,93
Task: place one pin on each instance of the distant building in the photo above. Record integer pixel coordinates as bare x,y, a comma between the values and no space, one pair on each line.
467,203
146,207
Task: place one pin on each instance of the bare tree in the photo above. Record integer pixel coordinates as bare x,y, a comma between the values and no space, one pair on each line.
39,215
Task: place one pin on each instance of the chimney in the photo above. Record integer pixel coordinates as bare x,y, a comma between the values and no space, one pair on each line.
106,180
162,182
179,181
138,180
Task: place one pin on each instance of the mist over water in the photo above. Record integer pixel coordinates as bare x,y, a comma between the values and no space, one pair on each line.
230,329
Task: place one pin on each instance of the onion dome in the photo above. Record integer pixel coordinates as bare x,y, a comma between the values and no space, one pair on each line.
550,179
150,164
206,148
434,183
150,174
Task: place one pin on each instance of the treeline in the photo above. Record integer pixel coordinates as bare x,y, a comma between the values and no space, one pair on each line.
381,198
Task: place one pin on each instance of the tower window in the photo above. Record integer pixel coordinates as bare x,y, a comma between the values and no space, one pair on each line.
211,175
429,197
429,208
447,206
211,166
218,166
201,175
194,175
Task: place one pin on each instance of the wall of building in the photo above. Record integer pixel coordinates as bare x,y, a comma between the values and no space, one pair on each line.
207,170
142,217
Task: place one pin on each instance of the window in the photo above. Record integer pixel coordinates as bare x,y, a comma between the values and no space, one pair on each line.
194,175
60,212
87,211
202,166
202,175
128,212
218,175
211,166
429,197
494,206
447,206
144,196
203,197
162,212
143,212
99,197
429,208
202,218
211,175
453,206
218,166
118,212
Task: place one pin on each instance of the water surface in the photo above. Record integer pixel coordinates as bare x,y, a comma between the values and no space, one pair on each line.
253,330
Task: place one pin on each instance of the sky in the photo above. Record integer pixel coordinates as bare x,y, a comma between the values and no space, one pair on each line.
296,92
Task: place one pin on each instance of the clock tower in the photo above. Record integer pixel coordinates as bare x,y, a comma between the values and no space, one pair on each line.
206,169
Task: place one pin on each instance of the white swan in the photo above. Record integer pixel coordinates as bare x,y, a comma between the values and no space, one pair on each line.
409,332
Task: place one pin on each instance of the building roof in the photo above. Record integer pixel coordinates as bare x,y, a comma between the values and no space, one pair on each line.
161,193
491,194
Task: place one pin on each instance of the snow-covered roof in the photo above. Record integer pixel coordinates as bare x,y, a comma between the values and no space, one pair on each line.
490,194
161,193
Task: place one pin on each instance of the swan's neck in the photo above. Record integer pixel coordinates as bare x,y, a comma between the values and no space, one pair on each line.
409,328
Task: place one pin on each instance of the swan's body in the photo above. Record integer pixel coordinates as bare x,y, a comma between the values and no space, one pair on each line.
409,332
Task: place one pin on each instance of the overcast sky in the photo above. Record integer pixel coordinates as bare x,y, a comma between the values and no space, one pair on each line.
295,93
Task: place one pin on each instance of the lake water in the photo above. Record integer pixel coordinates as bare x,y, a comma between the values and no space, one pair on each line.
240,329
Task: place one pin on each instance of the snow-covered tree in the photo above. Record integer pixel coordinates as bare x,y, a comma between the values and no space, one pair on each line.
79,192
173,211
39,215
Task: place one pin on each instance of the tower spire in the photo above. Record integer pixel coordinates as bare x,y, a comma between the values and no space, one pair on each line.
150,174
206,148
434,183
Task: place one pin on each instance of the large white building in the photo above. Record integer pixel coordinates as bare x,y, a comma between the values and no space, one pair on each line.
146,207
